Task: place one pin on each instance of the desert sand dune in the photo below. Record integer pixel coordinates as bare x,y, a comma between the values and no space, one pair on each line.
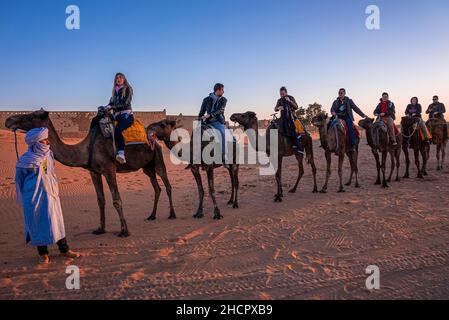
311,246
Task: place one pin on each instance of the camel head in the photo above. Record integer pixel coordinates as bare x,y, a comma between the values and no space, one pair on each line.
163,129
248,119
366,123
28,121
408,124
320,120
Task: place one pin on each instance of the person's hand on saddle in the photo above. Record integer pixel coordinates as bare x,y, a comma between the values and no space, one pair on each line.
205,117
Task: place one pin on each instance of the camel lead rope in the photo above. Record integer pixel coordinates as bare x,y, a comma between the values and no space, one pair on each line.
15,143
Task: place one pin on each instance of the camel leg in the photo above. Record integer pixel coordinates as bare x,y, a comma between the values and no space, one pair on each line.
196,173
341,159
98,184
443,154
278,196
398,163
416,152
210,180
236,186
383,168
162,172
299,159
351,164
231,175
117,201
376,157
393,165
425,157
328,156
313,166
157,190
438,157
407,160
356,167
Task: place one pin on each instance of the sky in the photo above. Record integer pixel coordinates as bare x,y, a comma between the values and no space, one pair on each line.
174,51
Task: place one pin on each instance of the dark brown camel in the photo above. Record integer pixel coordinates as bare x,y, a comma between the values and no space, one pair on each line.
412,138
439,138
378,140
249,121
335,142
101,162
163,131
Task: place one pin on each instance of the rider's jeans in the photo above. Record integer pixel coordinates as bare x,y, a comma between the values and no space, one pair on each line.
220,127
390,124
124,122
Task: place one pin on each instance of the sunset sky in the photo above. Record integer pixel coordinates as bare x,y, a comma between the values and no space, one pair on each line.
173,52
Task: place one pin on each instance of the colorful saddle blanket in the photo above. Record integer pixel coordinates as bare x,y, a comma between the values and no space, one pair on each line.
135,134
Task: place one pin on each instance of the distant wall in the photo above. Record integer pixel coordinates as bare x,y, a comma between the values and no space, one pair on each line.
76,124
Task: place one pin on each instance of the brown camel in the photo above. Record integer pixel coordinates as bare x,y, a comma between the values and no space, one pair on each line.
96,154
285,149
439,138
335,142
378,140
412,138
163,131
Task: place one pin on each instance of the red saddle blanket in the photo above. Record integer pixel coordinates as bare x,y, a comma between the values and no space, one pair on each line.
357,133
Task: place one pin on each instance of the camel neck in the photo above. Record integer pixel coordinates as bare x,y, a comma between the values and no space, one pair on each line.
69,155
323,134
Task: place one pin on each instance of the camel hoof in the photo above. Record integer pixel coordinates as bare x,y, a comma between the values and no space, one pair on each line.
124,234
99,231
385,186
397,180
277,198
406,176
151,218
358,186
230,202
292,191
217,215
315,190
323,191
172,217
348,184
198,215
425,173
235,206
341,190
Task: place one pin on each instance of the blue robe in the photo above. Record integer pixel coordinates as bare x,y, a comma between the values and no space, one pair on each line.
38,193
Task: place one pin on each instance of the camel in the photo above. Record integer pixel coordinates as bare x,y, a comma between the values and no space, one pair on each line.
335,142
412,138
285,149
163,131
96,154
439,138
379,141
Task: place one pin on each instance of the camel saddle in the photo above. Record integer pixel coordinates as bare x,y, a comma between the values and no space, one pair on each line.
136,134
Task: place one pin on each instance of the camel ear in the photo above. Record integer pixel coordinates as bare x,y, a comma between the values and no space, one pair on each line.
42,114
178,122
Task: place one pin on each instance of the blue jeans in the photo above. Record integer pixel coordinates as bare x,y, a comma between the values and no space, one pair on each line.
221,128
352,137
124,122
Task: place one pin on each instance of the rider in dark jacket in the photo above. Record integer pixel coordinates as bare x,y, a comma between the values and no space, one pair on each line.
287,106
437,110
120,102
343,108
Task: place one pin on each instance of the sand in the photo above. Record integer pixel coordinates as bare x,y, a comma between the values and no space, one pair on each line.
311,246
